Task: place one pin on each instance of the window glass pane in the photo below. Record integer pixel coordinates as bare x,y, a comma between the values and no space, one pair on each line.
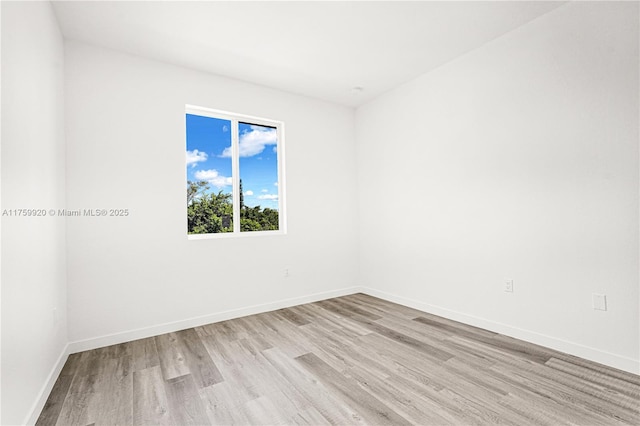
258,149
209,179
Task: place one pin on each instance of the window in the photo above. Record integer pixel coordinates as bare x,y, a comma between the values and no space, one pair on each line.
235,182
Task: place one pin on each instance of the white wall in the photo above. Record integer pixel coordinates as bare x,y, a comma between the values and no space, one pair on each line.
518,160
125,149
33,176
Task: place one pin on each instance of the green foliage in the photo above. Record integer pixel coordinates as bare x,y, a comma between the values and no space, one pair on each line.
256,219
209,213
193,188
241,196
250,225
213,213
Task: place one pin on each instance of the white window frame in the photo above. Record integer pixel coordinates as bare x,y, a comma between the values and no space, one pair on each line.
235,120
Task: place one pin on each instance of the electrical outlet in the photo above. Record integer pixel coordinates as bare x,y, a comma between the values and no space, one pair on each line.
508,286
599,302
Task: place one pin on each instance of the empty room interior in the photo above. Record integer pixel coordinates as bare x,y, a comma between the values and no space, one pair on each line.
320,212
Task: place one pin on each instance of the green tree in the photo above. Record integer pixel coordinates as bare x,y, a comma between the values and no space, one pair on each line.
269,219
210,213
250,225
241,196
257,219
194,188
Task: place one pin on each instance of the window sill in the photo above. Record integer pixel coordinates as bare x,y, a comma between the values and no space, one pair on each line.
225,235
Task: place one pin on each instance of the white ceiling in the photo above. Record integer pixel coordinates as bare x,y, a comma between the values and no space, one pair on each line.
321,49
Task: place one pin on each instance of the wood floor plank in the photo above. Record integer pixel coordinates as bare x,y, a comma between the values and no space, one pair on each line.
309,416
263,411
185,405
53,406
453,327
282,337
488,339
114,406
303,312
408,401
172,360
330,406
150,406
352,360
253,382
228,357
532,403
253,332
604,380
386,308
266,378
82,402
530,409
71,365
90,364
369,407
564,386
226,330
292,316
76,407
353,299
416,330
200,365
355,309
144,354
332,321
416,344
222,405
331,306
633,379
575,403
469,401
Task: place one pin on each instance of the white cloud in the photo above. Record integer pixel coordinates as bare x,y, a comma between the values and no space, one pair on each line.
225,128
268,197
275,149
248,193
214,178
275,183
195,156
253,142
265,190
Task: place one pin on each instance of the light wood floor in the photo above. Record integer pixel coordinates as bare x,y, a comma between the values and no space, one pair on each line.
350,360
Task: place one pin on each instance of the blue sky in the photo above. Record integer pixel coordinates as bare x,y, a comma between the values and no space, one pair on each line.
209,158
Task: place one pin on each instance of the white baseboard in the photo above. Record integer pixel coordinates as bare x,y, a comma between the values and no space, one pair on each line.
141,333
612,360
43,395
